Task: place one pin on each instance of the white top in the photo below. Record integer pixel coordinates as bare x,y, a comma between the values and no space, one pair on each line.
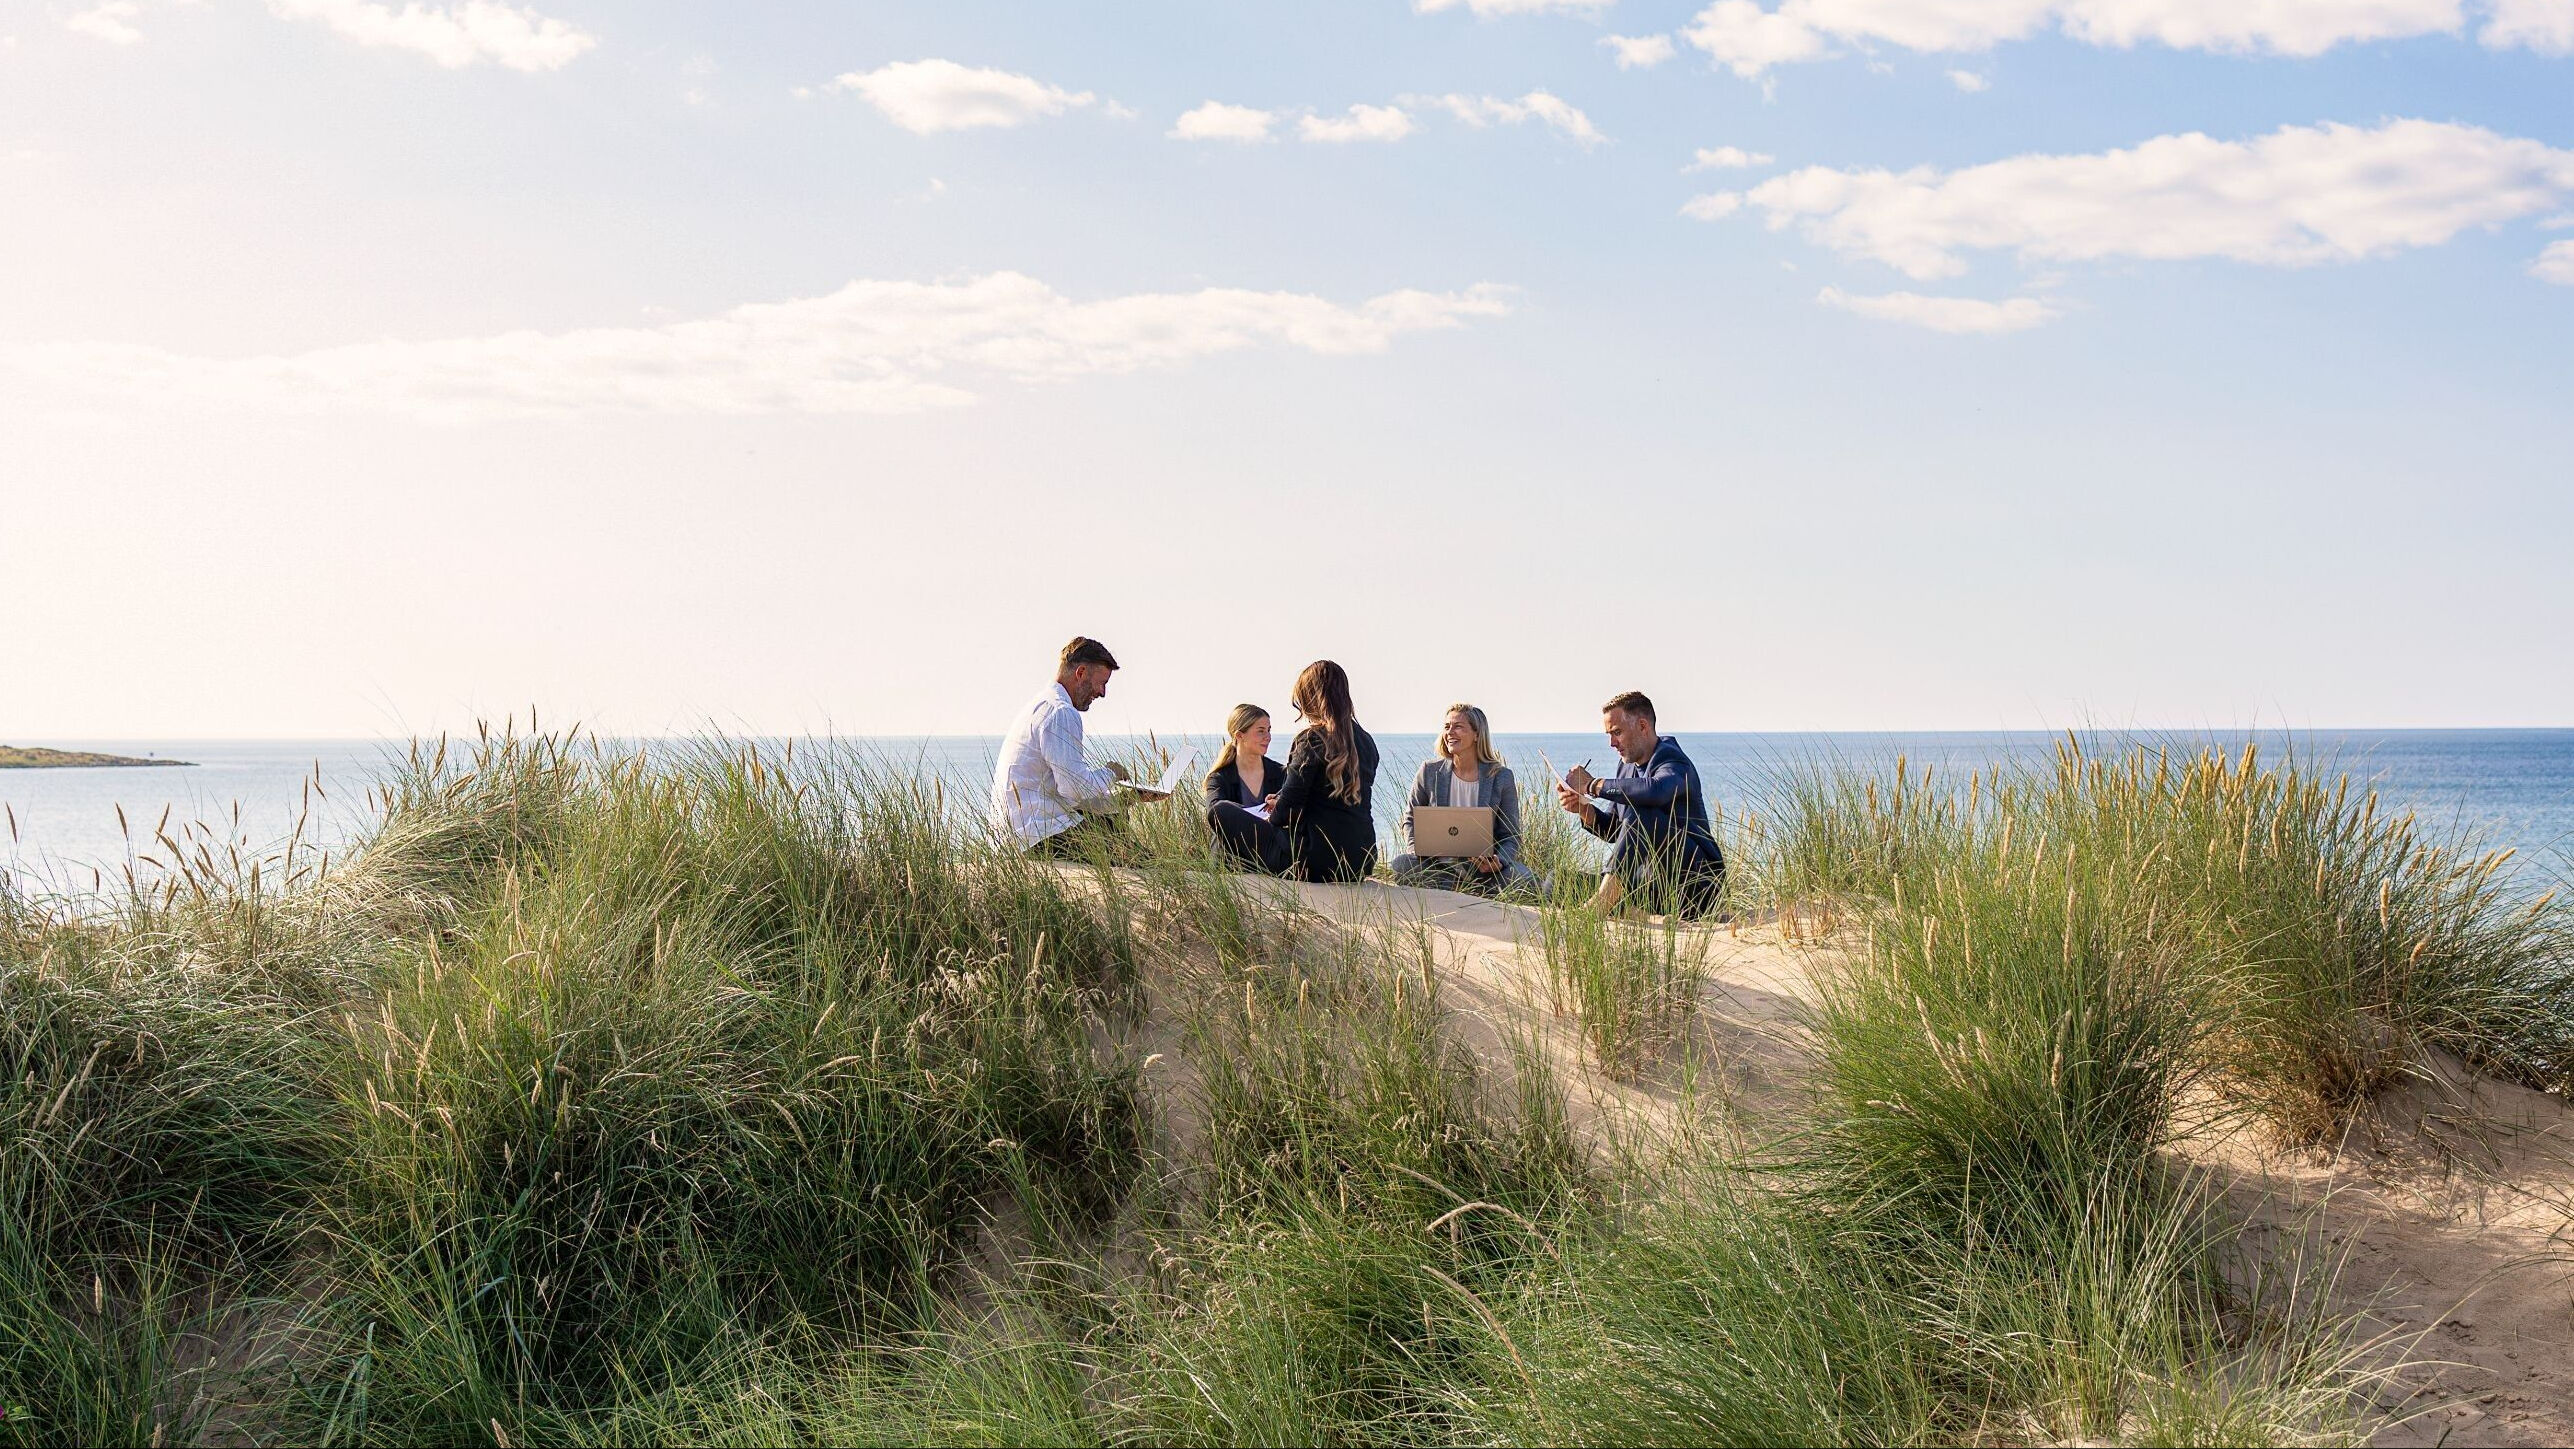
1464,794
1042,785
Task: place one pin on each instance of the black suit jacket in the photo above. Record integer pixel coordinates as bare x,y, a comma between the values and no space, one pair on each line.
1224,783
1333,839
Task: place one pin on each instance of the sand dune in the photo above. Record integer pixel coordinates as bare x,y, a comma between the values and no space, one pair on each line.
2450,1209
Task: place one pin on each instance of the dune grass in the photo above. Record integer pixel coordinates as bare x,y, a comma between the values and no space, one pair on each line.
719,1095
2324,943
1633,984
699,1062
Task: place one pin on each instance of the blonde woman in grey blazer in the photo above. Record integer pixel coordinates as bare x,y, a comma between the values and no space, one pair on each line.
1467,772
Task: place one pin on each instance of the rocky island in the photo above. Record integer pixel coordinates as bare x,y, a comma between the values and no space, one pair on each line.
37,757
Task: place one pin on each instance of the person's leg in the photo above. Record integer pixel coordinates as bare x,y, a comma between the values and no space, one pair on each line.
1323,865
1465,880
1434,873
1092,835
1516,882
1661,878
1247,841
1236,839
1257,845
1702,892
1622,873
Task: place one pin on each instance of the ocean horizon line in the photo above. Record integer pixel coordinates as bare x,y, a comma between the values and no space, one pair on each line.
1923,731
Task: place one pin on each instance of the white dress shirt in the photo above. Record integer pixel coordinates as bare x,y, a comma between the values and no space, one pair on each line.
1042,785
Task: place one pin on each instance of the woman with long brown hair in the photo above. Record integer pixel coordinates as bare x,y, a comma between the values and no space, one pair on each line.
1322,821
1326,806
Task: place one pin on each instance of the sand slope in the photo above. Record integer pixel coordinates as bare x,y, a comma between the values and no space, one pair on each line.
2451,1209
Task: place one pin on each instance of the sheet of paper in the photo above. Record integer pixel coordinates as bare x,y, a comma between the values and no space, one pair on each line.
1256,812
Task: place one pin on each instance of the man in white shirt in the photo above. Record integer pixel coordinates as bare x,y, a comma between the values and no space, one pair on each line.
1045,795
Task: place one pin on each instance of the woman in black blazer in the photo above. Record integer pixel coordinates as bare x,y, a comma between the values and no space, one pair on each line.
1327,807
1244,774
1322,821
1246,779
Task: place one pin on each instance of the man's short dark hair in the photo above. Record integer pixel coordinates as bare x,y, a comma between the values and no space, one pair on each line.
1085,650
1632,702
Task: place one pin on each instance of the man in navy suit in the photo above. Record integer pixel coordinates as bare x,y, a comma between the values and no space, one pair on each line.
1653,813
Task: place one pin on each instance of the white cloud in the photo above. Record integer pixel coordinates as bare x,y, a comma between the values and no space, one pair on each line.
1486,9
1741,35
1536,105
451,35
1216,121
2297,196
1969,81
1639,52
1726,158
923,96
2555,264
112,21
871,347
1946,314
1362,123
2282,27
1713,205
2545,26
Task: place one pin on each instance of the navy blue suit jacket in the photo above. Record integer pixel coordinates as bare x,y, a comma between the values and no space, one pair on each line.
1656,815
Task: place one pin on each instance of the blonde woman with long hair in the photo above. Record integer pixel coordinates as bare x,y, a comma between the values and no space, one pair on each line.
1242,785
1467,773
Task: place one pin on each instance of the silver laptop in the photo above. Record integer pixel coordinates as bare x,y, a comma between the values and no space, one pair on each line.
1170,781
1448,831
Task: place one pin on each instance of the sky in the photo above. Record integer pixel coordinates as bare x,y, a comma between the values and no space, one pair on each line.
371,368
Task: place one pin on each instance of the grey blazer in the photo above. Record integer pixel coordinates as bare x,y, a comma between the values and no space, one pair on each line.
1499,790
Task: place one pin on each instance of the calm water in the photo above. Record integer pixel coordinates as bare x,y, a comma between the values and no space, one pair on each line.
2514,787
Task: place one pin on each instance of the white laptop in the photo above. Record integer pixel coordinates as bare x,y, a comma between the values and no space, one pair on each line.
1170,781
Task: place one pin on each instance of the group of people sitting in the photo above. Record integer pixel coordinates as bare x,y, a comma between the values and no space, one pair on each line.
1314,818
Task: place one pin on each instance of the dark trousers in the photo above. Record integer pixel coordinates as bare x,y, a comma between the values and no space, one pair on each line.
1251,843
1684,879
1089,836
1248,842
1695,895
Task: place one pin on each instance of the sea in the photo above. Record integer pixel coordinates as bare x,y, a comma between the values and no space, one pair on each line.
81,831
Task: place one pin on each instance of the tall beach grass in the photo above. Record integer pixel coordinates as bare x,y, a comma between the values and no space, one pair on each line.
719,1094
2325,942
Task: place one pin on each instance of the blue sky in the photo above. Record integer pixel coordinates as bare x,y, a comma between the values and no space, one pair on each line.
367,369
